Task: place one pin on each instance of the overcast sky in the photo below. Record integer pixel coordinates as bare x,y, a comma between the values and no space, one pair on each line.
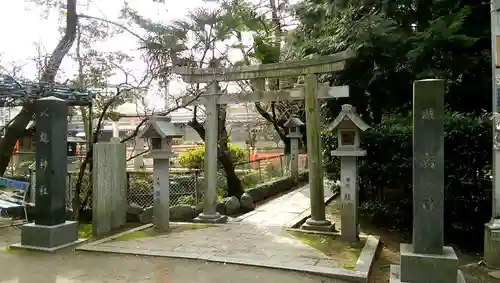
24,27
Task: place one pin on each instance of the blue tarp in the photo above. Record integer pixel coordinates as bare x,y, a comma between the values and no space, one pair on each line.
6,183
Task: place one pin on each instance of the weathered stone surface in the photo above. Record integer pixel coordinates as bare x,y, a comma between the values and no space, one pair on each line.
134,211
349,197
147,215
51,161
246,202
49,236
269,189
220,207
198,209
182,213
232,205
492,245
417,267
274,187
428,166
109,194
256,193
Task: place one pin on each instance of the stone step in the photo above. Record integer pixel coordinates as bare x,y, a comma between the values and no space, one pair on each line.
395,271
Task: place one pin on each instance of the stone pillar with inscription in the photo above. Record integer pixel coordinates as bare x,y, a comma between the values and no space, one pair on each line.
50,231
348,126
209,214
160,130
427,260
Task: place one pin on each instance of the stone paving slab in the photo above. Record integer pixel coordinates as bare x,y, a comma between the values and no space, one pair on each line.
237,243
284,211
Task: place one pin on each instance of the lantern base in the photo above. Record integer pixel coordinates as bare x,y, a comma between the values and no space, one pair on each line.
210,218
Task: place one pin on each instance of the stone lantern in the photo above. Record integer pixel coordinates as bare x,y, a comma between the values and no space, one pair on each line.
348,125
160,130
293,125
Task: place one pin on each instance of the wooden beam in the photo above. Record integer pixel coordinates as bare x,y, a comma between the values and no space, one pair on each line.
324,92
323,64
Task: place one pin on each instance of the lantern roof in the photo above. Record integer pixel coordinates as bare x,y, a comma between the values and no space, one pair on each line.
160,127
293,122
348,112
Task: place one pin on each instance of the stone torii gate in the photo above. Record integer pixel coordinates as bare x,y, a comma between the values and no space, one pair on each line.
311,92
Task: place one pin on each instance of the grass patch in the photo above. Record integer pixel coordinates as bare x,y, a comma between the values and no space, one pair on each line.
345,254
84,231
152,232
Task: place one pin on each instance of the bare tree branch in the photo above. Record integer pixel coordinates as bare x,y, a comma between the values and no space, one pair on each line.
83,16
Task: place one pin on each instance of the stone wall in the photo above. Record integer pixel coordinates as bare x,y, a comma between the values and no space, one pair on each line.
109,192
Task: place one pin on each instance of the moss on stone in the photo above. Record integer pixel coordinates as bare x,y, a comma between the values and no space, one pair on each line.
343,253
152,232
84,231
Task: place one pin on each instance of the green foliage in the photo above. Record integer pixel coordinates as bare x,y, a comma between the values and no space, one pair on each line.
195,158
189,200
250,179
385,173
274,169
400,42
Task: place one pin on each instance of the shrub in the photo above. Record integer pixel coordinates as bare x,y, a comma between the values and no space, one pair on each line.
385,173
195,158
188,200
250,179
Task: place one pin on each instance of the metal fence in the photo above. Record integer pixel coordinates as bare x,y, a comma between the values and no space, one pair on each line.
186,185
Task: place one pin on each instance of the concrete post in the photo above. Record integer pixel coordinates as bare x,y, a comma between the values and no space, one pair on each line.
209,214
492,228
294,157
116,129
161,205
349,194
109,194
138,149
317,194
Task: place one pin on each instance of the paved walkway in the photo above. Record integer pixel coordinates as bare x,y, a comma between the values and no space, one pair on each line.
284,211
258,239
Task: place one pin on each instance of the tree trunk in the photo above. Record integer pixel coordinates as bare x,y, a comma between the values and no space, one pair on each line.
234,187
17,127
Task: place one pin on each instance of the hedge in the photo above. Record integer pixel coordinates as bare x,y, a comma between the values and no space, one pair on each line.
385,173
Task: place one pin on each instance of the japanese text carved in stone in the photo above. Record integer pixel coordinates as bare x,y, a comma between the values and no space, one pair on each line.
44,137
428,161
43,190
43,164
428,114
428,205
347,198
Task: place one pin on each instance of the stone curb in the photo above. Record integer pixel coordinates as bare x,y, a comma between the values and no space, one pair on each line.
339,273
136,229
396,270
367,256
299,220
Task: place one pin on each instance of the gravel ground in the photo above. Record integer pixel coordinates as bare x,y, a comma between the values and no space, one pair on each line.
78,267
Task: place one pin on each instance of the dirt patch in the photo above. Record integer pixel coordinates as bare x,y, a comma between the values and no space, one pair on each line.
345,254
152,232
389,250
